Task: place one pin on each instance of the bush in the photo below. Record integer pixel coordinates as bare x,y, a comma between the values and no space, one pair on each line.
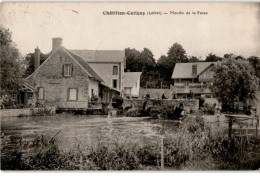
105,107
168,112
155,111
208,108
45,110
133,112
165,112
117,102
94,99
42,153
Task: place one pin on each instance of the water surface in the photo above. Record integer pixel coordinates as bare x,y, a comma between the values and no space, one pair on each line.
87,129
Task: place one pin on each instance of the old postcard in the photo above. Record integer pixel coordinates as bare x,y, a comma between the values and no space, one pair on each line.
130,86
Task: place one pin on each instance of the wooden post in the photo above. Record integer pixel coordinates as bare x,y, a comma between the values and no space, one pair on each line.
256,127
162,153
81,162
230,123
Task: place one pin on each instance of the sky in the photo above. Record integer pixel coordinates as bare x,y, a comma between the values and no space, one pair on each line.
226,28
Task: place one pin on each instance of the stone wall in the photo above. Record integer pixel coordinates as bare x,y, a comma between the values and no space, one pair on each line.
50,77
138,103
17,112
156,93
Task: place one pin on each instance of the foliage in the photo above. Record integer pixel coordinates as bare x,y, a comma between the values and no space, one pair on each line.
134,112
9,64
255,62
44,110
166,112
165,68
175,54
117,101
212,58
29,62
209,108
42,153
118,158
137,61
159,74
143,61
193,59
236,79
94,100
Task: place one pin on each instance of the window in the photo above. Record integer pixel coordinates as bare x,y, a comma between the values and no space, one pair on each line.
106,96
73,94
30,95
67,69
14,96
115,83
40,93
115,70
92,92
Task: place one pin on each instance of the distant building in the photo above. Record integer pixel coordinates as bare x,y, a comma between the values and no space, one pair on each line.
195,78
68,81
132,84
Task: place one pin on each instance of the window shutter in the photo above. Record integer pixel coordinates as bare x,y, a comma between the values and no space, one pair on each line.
77,96
71,69
63,70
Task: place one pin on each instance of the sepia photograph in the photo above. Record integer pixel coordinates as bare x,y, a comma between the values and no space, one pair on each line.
133,86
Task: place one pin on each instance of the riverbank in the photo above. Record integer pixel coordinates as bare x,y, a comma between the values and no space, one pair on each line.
18,112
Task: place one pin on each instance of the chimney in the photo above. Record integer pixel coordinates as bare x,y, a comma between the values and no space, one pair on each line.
56,43
194,69
37,58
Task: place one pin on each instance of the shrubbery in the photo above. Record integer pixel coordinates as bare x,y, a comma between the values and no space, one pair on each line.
117,102
208,108
166,112
44,110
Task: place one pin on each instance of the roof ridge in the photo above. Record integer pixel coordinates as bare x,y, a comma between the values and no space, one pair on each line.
92,70
96,50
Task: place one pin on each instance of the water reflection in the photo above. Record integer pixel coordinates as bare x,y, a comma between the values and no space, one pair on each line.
86,130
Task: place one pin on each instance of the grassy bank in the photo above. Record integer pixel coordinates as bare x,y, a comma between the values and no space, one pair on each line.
192,147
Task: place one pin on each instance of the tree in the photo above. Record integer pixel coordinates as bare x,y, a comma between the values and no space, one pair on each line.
165,68
176,54
131,59
239,57
139,61
234,80
212,58
194,59
147,59
29,62
166,64
255,62
9,64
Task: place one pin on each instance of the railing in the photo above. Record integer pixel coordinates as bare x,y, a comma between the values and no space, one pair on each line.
187,89
184,84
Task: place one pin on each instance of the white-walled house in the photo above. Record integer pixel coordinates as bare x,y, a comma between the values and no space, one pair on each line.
131,82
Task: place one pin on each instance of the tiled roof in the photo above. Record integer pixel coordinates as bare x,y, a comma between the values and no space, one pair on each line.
184,70
130,78
101,55
85,65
